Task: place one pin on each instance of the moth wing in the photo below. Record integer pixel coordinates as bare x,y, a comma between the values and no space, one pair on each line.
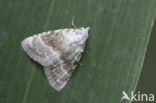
36,48
59,75
58,51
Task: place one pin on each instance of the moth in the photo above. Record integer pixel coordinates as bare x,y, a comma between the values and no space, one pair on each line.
58,51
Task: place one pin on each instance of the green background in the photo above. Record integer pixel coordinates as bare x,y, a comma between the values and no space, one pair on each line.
113,57
147,82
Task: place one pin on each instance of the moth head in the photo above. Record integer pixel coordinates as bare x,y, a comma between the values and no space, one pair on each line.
81,35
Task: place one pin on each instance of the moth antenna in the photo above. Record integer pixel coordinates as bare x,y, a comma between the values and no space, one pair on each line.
73,22
59,65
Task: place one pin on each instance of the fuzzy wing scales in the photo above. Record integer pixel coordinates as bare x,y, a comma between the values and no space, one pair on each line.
36,48
59,75
58,52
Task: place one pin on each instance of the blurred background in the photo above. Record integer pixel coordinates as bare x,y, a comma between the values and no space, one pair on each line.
147,81
120,30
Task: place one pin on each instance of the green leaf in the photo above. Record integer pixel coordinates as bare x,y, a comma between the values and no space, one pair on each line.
112,61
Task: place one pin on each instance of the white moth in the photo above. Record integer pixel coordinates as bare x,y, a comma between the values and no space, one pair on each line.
58,51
